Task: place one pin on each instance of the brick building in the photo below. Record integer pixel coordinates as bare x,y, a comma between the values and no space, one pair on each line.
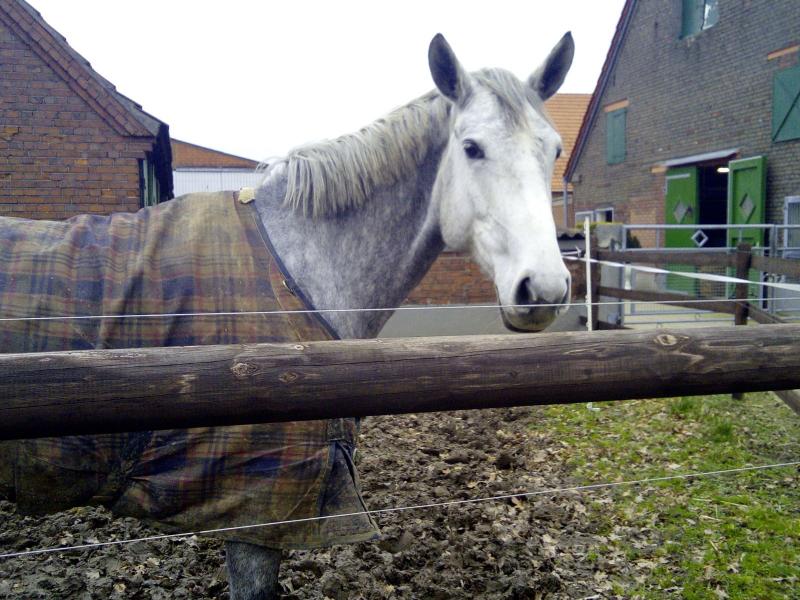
69,142
695,119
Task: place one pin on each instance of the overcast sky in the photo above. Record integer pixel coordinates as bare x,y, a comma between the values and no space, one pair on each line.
258,78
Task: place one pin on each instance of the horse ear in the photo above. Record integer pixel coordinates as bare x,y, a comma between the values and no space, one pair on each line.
551,74
447,73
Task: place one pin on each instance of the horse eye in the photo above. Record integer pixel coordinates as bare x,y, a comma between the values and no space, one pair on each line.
558,153
473,150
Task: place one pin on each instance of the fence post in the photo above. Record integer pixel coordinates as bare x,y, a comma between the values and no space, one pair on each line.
744,256
587,254
596,272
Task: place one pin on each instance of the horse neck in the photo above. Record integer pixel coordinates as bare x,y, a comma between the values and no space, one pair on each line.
370,257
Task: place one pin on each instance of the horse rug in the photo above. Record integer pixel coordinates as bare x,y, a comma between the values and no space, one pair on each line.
201,253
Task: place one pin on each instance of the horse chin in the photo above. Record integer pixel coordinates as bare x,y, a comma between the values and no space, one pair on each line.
532,322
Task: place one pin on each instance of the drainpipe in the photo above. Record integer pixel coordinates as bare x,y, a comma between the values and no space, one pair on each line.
566,196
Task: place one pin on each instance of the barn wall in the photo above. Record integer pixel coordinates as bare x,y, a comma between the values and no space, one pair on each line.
710,92
58,158
453,279
213,180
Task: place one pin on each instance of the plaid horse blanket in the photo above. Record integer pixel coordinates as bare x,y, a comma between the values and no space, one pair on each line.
201,253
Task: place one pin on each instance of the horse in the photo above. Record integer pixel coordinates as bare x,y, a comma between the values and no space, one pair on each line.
356,222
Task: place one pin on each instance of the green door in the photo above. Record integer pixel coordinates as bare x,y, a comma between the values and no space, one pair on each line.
681,207
747,193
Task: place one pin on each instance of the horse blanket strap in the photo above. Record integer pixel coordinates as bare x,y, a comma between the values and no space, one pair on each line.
201,253
287,292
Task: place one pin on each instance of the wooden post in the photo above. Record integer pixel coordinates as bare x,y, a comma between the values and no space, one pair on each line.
103,391
596,271
588,250
744,257
592,278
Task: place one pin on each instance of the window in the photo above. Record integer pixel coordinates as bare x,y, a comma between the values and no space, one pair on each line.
149,187
791,216
699,15
615,136
604,215
598,215
786,105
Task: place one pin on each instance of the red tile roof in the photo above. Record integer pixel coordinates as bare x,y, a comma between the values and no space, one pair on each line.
192,156
566,111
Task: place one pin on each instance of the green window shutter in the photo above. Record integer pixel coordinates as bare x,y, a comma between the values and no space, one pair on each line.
786,105
615,136
692,17
698,15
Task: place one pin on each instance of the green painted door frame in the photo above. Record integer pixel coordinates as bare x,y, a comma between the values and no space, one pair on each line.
747,195
681,206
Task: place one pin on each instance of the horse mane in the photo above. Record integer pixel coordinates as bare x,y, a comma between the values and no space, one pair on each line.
330,177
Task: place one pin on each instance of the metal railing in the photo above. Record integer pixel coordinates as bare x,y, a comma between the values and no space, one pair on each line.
777,244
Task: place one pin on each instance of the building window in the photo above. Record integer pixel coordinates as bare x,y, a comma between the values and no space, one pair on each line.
699,15
615,136
148,183
786,105
598,215
791,216
604,215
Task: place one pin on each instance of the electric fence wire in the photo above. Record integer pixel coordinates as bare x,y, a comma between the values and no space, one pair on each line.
398,509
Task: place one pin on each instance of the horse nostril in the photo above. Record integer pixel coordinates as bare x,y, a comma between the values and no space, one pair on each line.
524,294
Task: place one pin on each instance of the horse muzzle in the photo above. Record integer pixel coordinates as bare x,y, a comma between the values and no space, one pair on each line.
535,306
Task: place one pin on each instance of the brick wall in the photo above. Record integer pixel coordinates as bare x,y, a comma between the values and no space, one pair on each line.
58,158
453,279
688,96
456,279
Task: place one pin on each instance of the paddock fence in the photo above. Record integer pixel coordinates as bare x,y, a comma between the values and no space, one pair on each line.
101,391
703,287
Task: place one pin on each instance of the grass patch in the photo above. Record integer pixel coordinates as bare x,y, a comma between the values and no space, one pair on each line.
723,536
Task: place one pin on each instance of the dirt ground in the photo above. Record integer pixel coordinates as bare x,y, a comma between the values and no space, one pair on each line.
517,548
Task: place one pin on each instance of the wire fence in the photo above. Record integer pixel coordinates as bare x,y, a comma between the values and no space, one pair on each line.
705,283
398,509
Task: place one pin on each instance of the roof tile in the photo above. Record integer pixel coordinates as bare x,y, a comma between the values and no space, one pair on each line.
566,111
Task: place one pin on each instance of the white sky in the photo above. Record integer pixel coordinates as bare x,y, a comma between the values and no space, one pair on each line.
258,78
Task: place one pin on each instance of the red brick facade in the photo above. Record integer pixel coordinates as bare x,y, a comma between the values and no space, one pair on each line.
69,144
192,156
453,279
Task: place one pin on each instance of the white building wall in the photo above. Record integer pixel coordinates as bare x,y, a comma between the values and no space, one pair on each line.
186,181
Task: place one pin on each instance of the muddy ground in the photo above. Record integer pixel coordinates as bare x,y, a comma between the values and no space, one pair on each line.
517,548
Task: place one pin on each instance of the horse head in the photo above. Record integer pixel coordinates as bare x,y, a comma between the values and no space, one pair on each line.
493,189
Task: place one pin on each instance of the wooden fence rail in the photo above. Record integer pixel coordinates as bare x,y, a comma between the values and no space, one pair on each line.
742,260
65,393
695,258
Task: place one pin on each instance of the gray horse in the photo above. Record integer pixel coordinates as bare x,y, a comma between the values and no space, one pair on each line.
352,223
360,219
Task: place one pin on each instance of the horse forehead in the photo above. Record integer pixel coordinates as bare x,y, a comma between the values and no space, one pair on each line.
486,113
483,112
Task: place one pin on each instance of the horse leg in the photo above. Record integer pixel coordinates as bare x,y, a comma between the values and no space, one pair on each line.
252,571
